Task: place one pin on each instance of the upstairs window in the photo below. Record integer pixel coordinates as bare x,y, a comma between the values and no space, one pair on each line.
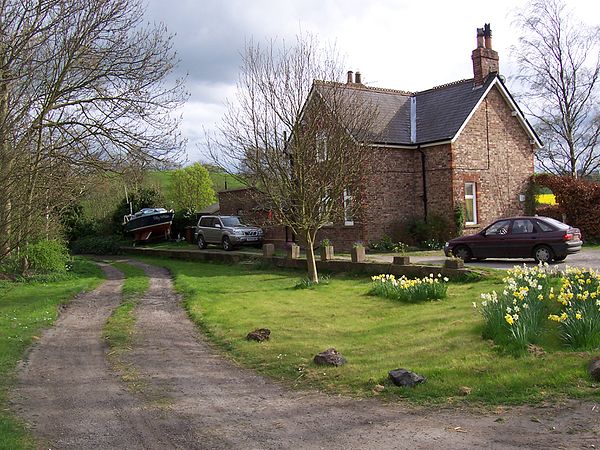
470,203
321,146
348,216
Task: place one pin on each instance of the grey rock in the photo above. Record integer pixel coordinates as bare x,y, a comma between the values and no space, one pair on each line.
405,378
330,357
594,368
259,335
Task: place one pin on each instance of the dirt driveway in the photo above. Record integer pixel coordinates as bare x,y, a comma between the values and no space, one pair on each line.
193,398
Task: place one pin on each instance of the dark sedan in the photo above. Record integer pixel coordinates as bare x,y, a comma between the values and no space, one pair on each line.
541,238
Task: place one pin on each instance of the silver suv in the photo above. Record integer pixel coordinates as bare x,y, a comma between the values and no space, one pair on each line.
227,231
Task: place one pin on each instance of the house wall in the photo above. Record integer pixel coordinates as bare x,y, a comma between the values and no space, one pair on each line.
391,192
439,182
494,151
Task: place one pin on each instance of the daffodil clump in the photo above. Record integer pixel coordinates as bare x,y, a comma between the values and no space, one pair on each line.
516,316
579,316
409,290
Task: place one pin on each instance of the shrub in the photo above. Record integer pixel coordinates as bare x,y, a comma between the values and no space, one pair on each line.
97,245
430,234
409,290
41,258
576,198
459,219
385,244
579,319
515,318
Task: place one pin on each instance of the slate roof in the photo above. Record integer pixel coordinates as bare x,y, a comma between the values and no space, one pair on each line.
440,111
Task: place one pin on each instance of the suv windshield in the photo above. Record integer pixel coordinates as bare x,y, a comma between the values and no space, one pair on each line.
231,221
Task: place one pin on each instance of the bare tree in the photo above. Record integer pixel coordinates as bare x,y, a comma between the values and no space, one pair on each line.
84,86
296,139
559,60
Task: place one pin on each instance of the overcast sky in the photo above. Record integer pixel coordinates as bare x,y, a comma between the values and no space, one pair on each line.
411,45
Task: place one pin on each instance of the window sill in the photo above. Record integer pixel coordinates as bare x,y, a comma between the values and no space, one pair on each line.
349,223
472,225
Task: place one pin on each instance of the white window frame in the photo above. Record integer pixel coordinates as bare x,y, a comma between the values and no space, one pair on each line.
321,146
473,198
348,218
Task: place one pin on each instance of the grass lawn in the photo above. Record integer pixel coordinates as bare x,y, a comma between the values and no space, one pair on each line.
440,340
25,309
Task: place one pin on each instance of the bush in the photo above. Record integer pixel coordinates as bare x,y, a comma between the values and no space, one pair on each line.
407,290
430,234
515,318
579,318
385,244
576,198
75,225
41,258
97,245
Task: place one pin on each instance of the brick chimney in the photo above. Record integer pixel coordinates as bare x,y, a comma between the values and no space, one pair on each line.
485,60
350,77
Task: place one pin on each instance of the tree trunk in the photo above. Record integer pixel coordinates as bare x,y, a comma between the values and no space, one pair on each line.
310,257
6,168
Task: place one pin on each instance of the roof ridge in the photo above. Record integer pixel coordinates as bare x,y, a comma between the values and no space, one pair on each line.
366,88
442,86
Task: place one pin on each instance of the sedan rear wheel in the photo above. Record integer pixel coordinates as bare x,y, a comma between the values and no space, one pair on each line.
543,254
463,252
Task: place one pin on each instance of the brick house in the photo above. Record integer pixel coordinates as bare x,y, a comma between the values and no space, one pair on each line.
465,142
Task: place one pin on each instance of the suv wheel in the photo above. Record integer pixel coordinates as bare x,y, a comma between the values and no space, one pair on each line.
226,243
543,254
201,242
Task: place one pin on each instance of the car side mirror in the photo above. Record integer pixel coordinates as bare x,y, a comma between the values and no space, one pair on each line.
217,225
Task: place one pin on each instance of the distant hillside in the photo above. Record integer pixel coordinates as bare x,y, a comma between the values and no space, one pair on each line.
161,179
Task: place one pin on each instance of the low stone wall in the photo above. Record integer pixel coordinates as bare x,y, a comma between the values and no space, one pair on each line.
367,268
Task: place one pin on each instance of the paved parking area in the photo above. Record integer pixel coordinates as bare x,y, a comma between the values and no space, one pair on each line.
587,258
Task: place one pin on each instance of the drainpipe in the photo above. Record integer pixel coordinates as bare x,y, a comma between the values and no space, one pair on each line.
424,178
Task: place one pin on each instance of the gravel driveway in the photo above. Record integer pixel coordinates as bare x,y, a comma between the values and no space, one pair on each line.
191,397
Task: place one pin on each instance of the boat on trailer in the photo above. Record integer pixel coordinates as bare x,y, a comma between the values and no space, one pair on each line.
149,222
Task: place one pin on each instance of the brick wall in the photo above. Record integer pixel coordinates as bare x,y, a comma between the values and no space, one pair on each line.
493,151
391,192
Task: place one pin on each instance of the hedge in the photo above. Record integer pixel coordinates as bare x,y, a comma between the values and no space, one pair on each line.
578,199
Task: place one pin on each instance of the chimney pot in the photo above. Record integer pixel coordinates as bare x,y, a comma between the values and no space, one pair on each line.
480,38
487,35
350,78
357,78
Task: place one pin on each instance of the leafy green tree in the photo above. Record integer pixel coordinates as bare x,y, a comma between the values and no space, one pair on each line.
192,189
